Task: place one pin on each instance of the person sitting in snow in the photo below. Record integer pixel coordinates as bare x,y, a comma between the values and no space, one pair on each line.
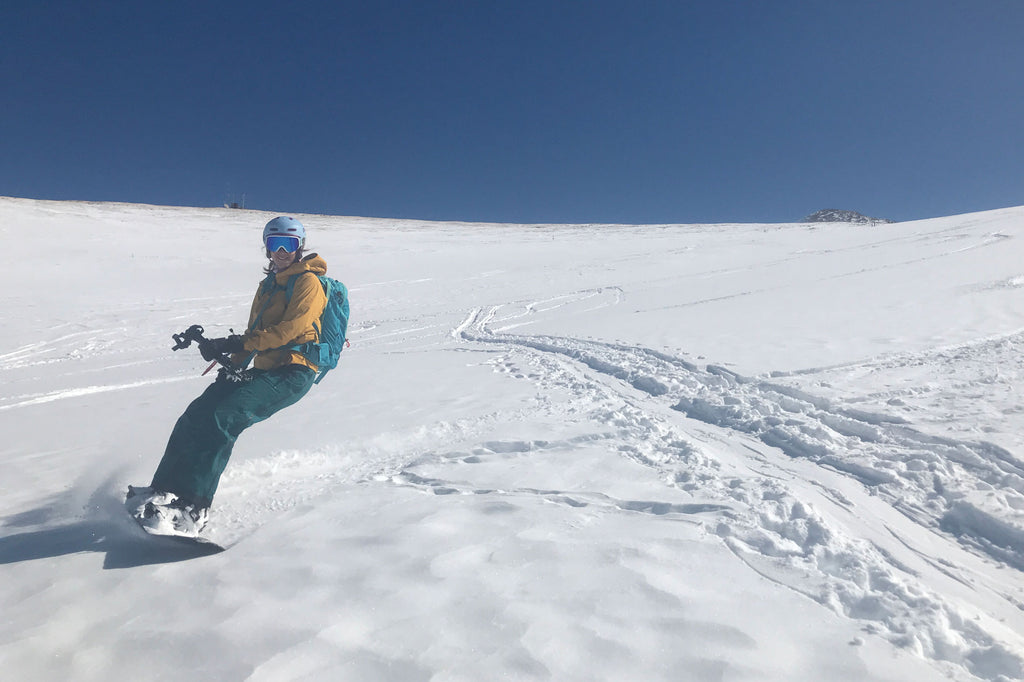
177,501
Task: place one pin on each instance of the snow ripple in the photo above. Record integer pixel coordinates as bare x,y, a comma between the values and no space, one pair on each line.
928,479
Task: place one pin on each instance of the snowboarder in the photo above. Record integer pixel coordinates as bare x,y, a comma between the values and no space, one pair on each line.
282,318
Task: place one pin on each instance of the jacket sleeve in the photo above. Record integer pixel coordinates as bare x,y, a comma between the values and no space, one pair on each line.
296,326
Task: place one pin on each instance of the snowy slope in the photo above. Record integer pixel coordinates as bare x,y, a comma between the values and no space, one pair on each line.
579,452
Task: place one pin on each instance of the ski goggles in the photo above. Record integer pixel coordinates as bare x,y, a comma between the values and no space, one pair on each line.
278,242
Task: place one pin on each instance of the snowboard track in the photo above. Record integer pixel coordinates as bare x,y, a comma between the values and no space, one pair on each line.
927,479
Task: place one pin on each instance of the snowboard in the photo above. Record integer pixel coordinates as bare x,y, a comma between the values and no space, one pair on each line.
141,505
202,546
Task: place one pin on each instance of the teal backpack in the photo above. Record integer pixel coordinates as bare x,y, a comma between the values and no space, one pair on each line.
330,328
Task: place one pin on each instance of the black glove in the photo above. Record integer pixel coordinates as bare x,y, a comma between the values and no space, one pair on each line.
211,349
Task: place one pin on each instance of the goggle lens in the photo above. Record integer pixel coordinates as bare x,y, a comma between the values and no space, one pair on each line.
282,243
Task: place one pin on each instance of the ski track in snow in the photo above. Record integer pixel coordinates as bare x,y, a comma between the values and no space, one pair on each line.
39,399
931,480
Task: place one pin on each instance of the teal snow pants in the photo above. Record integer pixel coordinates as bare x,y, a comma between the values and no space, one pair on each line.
201,442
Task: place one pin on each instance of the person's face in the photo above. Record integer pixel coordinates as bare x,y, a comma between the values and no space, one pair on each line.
283,250
282,259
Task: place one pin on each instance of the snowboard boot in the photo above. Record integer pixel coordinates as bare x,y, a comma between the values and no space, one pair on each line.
139,498
189,519
163,513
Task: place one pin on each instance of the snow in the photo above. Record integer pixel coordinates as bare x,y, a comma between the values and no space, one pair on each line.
553,452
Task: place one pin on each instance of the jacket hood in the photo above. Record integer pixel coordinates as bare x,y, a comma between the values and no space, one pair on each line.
311,263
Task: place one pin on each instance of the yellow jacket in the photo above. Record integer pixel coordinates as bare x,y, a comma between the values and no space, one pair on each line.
276,323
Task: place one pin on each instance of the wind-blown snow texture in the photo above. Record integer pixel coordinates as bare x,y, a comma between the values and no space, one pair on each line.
580,452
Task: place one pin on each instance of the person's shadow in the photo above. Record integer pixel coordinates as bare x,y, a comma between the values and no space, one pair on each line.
106,528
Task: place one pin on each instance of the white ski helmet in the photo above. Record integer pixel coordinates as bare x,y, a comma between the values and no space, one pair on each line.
286,227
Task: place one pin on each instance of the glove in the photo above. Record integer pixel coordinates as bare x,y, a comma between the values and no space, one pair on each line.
211,349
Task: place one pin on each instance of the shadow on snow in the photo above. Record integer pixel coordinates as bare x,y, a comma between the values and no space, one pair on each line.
109,531
122,549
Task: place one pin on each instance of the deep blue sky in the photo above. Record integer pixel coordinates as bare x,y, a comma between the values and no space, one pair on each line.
519,111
